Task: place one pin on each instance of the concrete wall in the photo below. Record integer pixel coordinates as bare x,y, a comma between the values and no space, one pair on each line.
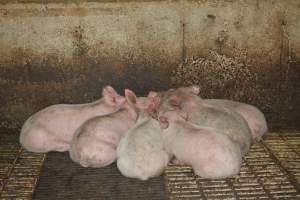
65,52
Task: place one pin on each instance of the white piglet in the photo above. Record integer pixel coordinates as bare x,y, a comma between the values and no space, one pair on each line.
224,119
254,117
52,128
95,142
210,153
140,153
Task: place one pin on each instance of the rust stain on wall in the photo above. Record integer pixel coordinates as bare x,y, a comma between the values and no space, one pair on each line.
32,82
64,54
243,79
36,81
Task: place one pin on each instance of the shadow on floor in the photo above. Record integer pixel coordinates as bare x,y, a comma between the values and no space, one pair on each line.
63,179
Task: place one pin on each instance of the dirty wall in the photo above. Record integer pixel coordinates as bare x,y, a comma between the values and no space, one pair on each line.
66,52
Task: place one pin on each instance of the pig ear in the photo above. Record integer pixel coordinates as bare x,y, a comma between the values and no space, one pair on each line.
163,122
130,97
194,89
110,95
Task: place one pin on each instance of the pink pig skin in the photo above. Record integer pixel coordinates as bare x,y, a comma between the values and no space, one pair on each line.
254,117
140,153
52,128
95,142
221,118
210,153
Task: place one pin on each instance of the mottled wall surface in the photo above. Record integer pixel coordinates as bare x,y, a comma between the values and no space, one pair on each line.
65,53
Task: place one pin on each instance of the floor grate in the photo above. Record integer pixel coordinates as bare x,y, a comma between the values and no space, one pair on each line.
271,170
19,171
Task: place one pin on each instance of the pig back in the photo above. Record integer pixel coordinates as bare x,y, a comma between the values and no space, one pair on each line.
226,121
253,116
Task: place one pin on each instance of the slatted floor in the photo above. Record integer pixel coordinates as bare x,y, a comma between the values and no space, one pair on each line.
271,170
19,171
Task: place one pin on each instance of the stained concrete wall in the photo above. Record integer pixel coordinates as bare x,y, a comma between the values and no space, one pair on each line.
65,52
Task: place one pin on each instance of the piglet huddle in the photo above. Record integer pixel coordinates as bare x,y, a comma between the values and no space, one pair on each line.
143,134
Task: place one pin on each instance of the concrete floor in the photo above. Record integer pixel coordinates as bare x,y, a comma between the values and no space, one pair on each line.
271,170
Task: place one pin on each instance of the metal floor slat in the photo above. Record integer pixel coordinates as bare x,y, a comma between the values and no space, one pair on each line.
271,170
267,172
22,178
